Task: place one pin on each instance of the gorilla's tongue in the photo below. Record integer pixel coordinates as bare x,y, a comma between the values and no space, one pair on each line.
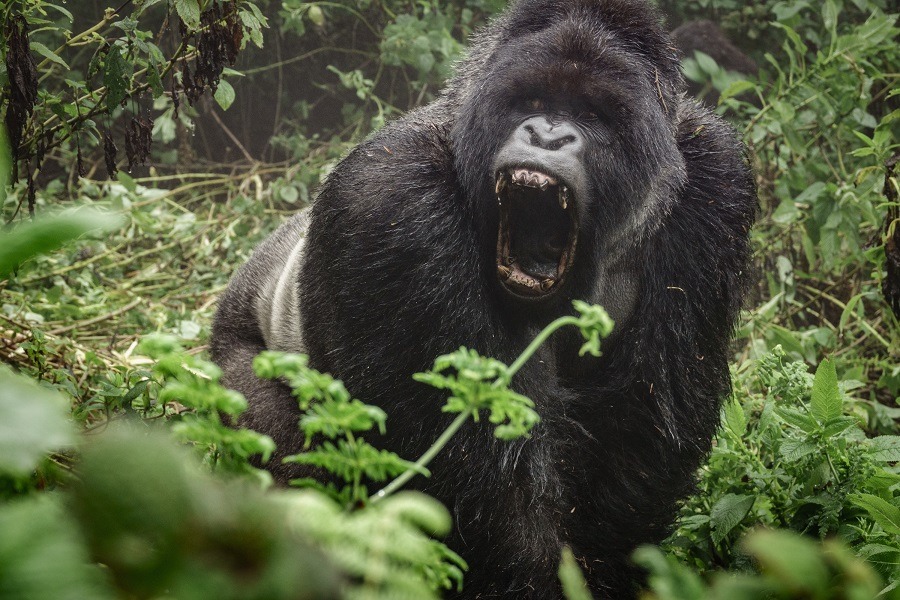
537,231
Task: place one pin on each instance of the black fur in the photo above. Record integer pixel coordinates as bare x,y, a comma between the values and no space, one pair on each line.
400,267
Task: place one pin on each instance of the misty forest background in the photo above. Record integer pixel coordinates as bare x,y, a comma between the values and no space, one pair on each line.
147,146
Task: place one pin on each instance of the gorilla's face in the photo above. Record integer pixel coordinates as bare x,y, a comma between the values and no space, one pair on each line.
566,146
539,176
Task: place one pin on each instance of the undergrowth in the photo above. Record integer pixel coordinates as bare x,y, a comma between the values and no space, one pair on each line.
105,334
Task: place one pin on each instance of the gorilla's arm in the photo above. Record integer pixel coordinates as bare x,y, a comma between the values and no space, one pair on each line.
240,331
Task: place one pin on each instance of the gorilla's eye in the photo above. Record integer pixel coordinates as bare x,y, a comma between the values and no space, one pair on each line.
536,104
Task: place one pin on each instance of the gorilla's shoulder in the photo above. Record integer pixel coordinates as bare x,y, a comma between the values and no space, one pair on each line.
406,159
423,132
717,168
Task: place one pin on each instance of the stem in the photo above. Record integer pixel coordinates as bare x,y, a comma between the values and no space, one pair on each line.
448,433
426,458
536,342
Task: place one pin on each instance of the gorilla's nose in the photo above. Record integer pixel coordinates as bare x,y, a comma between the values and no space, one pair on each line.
549,135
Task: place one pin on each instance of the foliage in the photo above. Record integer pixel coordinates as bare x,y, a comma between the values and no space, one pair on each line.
790,566
379,542
800,497
791,454
94,73
193,385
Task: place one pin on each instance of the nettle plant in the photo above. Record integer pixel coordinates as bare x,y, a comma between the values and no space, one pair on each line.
792,454
64,90
822,132
381,533
383,541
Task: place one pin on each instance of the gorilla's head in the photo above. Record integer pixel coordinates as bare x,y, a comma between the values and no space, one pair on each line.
565,138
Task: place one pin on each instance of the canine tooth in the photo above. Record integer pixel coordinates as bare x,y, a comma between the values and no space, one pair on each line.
503,271
547,284
564,198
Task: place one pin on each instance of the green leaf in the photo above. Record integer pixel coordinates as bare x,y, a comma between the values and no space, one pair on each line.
48,234
572,579
837,426
849,309
883,512
795,418
424,512
830,11
826,396
692,70
48,53
316,15
33,423
706,62
794,450
155,81
224,94
735,418
727,513
791,559
189,11
736,88
668,577
116,75
885,448
37,531
142,5
61,10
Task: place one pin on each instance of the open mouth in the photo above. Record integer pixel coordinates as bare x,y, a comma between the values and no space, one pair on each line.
538,231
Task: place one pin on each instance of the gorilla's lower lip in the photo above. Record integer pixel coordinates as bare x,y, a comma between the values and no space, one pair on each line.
538,231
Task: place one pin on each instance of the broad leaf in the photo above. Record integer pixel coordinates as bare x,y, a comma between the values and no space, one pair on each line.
885,448
883,512
48,54
826,397
797,419
224,94
33,423
116,76
48,234
735,418
793,450
189,11
727,513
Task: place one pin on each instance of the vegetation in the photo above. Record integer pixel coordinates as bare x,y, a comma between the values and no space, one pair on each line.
106,296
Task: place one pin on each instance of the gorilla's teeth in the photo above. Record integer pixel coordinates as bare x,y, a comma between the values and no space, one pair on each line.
504,272
564,197
544,185
547,284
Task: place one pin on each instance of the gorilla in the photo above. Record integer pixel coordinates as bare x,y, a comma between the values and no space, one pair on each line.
563,161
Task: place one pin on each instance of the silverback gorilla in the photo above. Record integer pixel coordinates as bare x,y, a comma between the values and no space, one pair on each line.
563,161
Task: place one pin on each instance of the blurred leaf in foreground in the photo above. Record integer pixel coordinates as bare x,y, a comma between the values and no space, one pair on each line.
47,234
33,423
42,555
162,527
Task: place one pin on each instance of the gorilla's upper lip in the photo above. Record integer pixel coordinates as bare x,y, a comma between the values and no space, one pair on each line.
538,231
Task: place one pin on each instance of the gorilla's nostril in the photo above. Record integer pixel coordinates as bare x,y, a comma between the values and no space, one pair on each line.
560,142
